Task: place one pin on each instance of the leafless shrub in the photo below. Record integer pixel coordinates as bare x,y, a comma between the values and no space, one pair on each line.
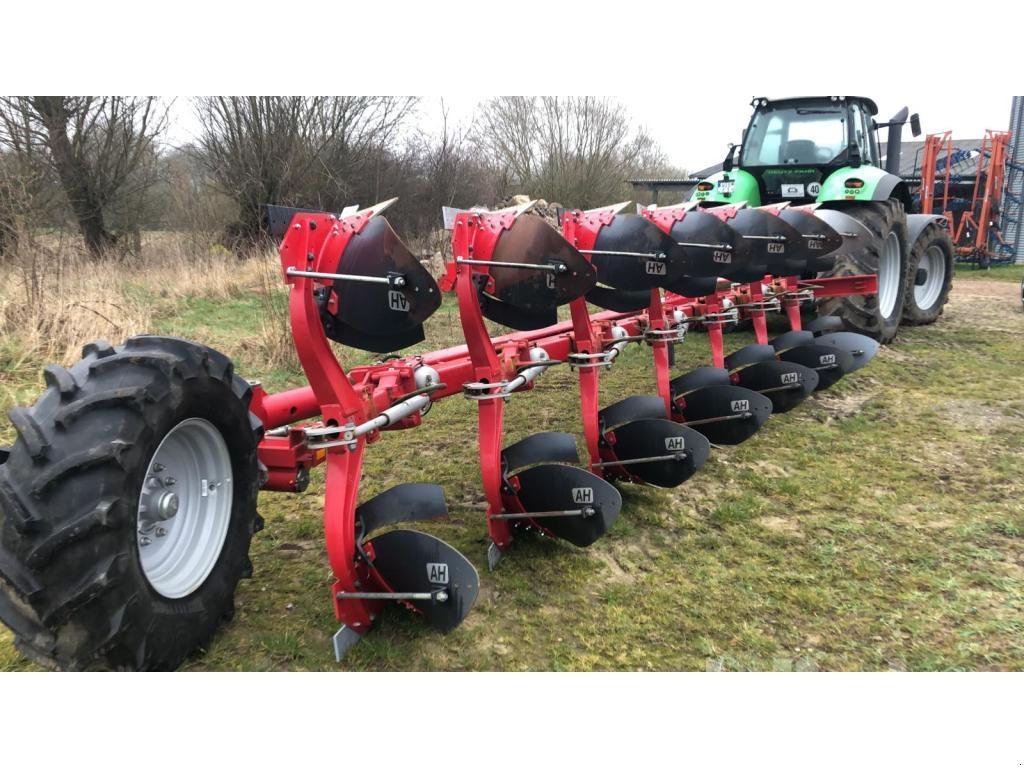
435,170
317,151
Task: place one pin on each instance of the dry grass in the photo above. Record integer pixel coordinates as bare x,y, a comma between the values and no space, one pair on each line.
52,301
54,298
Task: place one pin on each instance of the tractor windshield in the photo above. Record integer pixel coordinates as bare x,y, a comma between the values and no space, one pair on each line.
796,136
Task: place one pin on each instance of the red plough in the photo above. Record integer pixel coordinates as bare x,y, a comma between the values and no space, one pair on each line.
657,275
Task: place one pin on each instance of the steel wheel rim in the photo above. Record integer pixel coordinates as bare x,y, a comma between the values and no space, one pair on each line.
889,275
184,508
934,265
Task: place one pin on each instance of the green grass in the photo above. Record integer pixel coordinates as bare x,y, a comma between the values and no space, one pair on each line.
878,526
1011,273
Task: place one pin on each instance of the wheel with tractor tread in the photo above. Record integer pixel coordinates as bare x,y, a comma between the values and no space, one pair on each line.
127,505
930,269
886,255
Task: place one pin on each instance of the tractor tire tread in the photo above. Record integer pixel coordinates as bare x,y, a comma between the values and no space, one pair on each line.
860,313
72,588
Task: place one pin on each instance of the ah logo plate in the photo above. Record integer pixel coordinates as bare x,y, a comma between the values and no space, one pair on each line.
582,495
437,573
675,444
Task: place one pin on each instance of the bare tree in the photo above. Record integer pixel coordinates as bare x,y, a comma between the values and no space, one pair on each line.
98,147
311,151
431,170
578,150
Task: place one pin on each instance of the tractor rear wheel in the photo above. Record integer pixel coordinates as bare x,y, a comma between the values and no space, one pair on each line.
932,256
884,254
127,505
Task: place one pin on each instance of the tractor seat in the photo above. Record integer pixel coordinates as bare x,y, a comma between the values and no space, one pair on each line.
800,151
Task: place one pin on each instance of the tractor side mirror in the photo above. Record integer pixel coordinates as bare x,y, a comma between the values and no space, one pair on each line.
915,124
727,164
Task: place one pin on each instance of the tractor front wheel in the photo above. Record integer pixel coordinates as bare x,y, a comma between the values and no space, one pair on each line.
884,254
127,505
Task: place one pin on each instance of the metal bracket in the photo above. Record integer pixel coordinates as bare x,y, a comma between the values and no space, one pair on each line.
730,315
589,360
675,335
766,305
477,390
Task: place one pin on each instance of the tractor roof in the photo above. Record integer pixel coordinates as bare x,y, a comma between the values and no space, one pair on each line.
795,100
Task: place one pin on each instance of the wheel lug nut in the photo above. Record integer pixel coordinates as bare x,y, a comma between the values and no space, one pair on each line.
160,532
145,541
158,467
170,481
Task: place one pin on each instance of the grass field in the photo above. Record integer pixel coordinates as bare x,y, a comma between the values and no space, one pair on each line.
879,526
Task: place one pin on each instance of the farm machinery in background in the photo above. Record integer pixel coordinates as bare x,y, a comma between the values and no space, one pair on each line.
825,151
971,202
128,500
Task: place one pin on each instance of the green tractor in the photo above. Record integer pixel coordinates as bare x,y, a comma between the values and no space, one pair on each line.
824,150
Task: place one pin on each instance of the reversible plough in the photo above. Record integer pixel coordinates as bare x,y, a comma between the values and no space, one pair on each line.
654,275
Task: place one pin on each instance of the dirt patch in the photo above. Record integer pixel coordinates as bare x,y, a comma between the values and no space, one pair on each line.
843,406
1011,568
769,469
892,353
995,288
986,304
786,525
975,415
614,572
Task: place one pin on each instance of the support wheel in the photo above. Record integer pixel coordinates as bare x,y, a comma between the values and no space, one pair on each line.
127,505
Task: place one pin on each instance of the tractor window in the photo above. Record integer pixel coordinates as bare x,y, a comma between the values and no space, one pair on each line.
795,136
862,135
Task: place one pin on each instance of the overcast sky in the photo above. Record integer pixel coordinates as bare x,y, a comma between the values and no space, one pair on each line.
695,135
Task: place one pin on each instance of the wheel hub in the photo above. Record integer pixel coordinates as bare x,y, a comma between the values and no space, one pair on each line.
168,505
184,508
933,264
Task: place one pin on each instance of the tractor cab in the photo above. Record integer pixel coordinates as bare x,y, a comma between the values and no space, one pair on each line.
793,148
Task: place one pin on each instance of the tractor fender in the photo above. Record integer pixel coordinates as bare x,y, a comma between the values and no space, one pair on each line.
916,222
876,185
